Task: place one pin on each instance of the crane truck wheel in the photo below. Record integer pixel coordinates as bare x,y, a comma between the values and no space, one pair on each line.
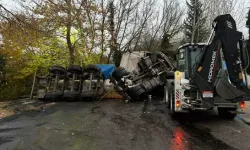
225,113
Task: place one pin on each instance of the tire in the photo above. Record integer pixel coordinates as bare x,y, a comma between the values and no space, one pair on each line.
57,70
136,92
226,114
91,68
151,84
119,73
54,97
88,96
75,69
71,96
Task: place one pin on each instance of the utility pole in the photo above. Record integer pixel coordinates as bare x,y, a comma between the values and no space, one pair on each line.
33,85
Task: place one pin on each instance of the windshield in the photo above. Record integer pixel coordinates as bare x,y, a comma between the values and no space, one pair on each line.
195,55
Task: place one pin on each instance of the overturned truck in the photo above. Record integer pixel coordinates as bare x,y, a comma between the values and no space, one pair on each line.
141,72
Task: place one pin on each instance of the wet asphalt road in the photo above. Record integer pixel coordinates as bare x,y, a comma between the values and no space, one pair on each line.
109,125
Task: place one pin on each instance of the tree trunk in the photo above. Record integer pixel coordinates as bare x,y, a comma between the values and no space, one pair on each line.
102,30
68,35
70,46
194,23
113,41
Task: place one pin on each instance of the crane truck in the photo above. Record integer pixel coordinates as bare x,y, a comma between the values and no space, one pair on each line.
213,74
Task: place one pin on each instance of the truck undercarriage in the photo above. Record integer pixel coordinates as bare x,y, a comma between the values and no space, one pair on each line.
152,70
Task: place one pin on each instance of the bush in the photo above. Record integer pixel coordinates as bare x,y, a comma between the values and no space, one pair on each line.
12,90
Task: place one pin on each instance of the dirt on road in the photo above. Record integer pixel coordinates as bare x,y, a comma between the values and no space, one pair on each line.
113,125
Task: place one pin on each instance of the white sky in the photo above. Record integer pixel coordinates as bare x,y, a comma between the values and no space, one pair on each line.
11,4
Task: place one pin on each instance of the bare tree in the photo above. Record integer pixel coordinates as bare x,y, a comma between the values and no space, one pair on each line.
104,14
166,21
127,20
214,8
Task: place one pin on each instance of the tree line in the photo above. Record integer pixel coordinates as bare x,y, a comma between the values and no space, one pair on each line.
80,32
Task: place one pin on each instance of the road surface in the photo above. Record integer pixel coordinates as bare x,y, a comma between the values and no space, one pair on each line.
114,125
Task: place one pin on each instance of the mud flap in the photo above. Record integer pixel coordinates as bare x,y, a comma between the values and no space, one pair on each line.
208,102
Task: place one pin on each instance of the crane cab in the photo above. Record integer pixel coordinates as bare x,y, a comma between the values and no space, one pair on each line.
188,56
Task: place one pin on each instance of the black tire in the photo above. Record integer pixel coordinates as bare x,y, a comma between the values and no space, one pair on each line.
119,73
53,97
91,68
88,96
136,92
71,96
57,70
226,114
151,84
74,69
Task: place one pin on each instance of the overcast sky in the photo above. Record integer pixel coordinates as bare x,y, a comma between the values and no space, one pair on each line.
11,4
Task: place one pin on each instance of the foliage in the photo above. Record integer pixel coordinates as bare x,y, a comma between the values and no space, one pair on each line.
2,68
81,32
23,56
195,31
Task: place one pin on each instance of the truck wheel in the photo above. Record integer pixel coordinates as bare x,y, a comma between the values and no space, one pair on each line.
119,73
91,68
57,70
136,92
225,113
75,69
